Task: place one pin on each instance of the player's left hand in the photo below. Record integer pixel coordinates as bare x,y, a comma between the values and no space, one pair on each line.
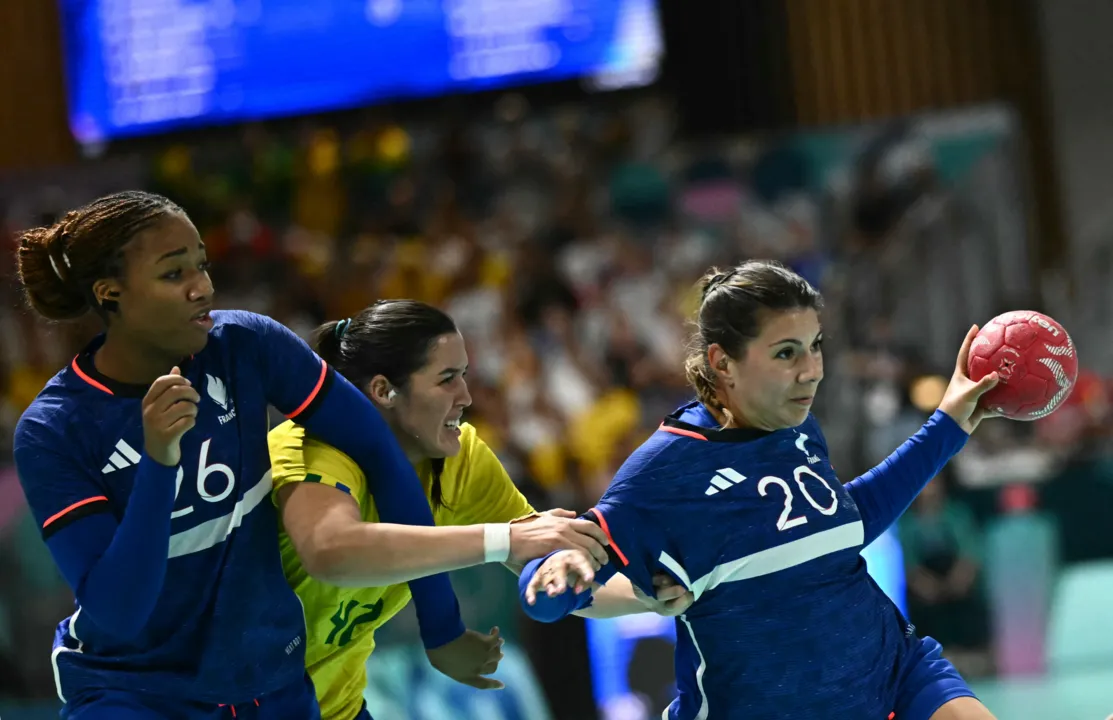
960,401
672,598
469,658
568,568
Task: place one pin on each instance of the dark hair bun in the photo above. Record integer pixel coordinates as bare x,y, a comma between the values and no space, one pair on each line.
42,270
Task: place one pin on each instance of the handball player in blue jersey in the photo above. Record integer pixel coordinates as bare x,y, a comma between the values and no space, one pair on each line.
145,463
735,497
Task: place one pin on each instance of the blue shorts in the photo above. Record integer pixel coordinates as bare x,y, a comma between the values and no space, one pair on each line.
294,702
929,680
364,714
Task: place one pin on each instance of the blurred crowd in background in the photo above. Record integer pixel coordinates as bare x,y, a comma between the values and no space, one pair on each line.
565,243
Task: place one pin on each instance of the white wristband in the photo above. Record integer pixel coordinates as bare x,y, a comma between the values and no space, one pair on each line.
496,542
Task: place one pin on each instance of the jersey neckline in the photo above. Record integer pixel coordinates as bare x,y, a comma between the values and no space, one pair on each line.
715,434
86,370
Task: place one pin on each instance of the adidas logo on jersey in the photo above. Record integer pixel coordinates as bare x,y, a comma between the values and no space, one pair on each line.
724,479
218,393
124,457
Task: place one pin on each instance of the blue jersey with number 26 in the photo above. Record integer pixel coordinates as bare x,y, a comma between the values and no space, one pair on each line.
226,627
786,622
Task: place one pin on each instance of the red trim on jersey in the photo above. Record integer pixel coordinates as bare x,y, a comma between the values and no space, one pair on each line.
681,431
233,707
81,374
607,532
80,503
312,395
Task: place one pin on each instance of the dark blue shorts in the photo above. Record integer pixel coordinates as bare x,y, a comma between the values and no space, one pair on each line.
928,681
364,714
295,702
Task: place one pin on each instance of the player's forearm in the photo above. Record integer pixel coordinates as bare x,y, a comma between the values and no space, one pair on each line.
348,421
886,491
119,586
614,599
380,554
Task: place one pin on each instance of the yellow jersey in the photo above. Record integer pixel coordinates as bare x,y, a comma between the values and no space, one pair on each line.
341,622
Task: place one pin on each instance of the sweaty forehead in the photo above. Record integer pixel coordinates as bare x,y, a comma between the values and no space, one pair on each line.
171,232
800,324
447,351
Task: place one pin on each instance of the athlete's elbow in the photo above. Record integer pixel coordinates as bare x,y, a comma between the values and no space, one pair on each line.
323,563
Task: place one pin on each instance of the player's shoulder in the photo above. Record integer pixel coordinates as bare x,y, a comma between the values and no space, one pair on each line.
663,458
67,407
240,325
46,418
684,438
292,448
286,437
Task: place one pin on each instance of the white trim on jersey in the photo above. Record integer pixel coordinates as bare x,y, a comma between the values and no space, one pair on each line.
213,532
671,564
771,560
763,562
703,709
61,649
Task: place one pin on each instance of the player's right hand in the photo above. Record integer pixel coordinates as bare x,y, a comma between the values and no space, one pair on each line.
556,530
960,400
169,412
571,568
470,657
670,599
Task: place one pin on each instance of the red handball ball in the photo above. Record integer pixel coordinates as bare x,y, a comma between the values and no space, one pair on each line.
1035,359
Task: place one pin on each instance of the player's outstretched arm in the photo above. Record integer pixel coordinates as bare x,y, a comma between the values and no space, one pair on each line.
618,597
336,546
886,491
571,583
621,597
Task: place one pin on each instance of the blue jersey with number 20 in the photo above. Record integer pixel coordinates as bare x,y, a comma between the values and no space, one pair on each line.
786,621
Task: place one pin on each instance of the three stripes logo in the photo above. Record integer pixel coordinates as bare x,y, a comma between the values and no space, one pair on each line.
724,479
124,457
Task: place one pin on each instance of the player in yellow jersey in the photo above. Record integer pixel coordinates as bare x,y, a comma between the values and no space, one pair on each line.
349,570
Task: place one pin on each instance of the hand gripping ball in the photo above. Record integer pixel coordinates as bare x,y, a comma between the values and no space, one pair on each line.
1035,359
